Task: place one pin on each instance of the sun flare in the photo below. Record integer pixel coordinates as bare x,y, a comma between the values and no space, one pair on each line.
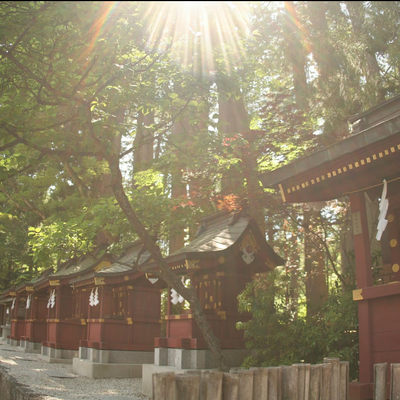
199,34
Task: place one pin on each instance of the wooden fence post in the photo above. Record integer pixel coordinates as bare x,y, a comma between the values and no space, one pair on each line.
260,383
211,385
187,387
395,381
246,383
326,381
344,380
335,381
230,387
315,382
164,386
274,383
380,376
288,383
238,385
302,382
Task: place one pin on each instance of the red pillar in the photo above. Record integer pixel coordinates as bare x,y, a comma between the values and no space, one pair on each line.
364,279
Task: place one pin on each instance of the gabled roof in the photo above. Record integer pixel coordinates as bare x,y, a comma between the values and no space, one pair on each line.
73,268
217,235
126,263
134,255
31,283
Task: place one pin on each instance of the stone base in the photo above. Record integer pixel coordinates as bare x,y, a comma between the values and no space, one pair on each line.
106,370
60,356
95,363
29,347
13,342
6,331
116,356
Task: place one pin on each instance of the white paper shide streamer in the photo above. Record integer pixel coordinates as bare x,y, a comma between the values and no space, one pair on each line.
383,207
28,302
94,297
52,299
176,297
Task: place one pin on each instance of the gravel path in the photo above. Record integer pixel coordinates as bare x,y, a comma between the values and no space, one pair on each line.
59,382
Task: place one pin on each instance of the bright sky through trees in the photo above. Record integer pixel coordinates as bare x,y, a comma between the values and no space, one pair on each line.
192,30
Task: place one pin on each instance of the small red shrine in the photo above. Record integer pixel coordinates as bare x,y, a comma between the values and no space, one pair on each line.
357,167
34,329
11,317
66,310
5,318
123,317
224,256
17,312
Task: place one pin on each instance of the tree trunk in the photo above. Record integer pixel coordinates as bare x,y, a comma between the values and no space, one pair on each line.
165,272
180,130
254,190
314,266
296,54
373,74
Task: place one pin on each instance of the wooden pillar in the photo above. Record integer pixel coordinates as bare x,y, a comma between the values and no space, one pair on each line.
364,279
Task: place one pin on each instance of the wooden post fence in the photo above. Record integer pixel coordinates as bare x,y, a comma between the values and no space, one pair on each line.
327,381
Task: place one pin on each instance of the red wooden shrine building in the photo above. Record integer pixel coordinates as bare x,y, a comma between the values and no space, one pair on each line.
30,329
355,167
65,309
5,317
9,313
123,317
224,256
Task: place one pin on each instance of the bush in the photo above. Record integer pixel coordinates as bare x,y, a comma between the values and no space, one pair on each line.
283,334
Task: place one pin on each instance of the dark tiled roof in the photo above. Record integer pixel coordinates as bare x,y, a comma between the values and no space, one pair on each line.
42,276
75,268
127,260
217,236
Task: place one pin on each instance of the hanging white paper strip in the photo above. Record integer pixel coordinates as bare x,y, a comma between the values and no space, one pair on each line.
383,208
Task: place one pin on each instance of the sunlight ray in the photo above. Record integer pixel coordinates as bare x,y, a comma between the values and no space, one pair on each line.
194,31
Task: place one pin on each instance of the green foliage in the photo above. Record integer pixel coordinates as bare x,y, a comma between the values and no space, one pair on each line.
283,336
76,76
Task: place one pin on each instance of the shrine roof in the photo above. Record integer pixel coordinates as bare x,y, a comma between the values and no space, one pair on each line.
81,266
217,234
41,277
75,267
359,162
7,294
133,255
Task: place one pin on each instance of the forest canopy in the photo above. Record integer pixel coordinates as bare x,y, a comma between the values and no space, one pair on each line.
131,120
